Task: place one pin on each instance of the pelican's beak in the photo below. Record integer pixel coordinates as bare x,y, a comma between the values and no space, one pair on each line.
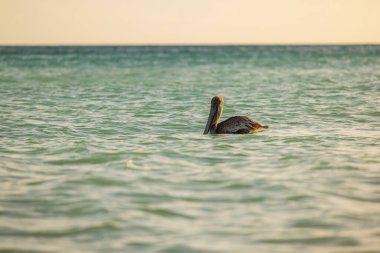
211,117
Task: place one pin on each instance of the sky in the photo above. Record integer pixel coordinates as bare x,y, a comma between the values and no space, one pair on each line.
150,22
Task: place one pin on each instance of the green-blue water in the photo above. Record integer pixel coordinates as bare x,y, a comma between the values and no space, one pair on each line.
101,150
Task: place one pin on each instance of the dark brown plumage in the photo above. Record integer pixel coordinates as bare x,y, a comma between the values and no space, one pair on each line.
233,125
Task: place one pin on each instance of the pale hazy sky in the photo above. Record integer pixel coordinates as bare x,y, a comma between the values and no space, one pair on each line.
189,21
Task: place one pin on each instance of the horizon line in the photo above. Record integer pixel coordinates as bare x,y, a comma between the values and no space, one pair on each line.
186,44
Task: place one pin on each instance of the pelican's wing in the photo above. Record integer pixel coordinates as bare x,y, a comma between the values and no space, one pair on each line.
239,125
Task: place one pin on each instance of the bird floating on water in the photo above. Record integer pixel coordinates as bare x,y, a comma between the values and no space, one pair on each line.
233,125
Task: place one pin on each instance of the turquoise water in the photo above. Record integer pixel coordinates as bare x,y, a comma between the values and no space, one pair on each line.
101,149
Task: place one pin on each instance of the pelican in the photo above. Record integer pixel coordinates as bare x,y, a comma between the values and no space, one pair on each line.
233,125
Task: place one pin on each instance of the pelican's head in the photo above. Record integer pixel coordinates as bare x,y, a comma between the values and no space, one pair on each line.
216,110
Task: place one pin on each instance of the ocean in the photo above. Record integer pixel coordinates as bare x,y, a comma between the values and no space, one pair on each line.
101,149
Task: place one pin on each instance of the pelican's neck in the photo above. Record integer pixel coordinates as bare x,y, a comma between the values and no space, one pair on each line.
213,128
218,113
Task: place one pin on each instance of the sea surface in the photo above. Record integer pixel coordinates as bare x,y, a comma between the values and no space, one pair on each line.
101,149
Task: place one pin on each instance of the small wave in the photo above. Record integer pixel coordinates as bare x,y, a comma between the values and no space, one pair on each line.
166,213
326,240
97,158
